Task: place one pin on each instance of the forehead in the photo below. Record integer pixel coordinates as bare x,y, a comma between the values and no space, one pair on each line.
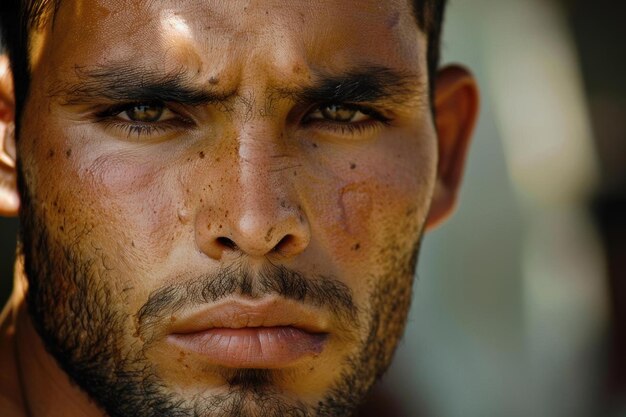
208,35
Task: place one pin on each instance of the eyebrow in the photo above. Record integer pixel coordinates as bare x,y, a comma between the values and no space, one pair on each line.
363,84
127,83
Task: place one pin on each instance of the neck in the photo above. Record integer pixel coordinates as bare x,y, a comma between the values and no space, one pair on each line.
35,386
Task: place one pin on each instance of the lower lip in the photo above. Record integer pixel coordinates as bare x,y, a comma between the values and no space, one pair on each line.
252,347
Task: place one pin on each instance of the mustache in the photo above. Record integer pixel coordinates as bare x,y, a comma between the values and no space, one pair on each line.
319,291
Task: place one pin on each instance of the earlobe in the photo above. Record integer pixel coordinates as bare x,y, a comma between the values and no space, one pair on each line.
9,197
456,111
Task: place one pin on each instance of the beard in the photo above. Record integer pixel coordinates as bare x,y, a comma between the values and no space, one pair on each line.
77,313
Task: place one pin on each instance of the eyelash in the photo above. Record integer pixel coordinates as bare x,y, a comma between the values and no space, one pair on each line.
376,120
110,119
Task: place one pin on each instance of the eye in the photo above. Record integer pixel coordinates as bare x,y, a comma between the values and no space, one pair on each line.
143,119
339,113
145,113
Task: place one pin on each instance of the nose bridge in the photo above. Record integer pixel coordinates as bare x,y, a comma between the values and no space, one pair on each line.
264,214
261,163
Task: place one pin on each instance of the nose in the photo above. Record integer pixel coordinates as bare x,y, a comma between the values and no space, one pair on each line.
259,215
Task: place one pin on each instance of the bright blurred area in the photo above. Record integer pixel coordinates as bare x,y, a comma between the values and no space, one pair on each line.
519,302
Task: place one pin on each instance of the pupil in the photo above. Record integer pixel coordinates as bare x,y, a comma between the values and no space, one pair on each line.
338,113
145,113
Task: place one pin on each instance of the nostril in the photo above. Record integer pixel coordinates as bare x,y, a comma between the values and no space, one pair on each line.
284,244
227,243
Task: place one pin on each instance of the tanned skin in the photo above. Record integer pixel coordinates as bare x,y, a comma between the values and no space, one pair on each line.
257,174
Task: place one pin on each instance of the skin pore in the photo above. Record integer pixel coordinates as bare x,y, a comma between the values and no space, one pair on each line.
175,156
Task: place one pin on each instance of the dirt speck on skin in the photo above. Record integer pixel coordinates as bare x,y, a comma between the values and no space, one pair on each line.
394,20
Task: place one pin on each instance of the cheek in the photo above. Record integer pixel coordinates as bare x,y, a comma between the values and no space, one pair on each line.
355,202
128,204
374,198
143,202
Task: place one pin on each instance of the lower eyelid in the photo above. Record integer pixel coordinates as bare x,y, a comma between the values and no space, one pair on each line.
346,129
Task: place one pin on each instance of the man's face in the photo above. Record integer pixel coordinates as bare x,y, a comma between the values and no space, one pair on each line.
222,201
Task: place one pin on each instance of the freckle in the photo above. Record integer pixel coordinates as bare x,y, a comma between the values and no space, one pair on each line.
352,165
132,243
220,226
356,247
201,154
217,159
314,145
50,153
68,153
393,20
62,228
208,226
214,80
295,173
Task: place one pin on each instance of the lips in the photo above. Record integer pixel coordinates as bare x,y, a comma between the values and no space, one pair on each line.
273,333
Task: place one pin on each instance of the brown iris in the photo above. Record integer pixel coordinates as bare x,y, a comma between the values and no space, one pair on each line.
338,113
145,113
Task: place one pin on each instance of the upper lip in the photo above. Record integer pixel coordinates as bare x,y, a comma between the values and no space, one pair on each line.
242,313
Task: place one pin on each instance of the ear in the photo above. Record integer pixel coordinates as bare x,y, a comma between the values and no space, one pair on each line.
9,198
456,111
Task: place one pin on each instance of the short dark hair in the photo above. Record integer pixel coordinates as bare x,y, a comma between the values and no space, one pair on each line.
19,17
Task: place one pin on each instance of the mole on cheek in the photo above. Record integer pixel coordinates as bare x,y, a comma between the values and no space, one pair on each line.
356,207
